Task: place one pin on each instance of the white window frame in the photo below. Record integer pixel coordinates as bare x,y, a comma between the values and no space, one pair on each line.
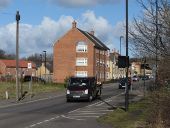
81,62
81,73
81,47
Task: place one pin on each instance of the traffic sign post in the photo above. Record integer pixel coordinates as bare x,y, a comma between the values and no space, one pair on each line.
30,82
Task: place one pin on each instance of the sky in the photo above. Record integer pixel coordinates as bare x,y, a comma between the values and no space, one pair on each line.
45,21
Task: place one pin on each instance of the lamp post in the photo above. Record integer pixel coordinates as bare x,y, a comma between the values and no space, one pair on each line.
45,62
17,55
127,62
121,43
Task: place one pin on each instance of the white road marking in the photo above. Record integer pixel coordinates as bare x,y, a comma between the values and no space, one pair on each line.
75,110
103,110
94,113
71,118
79,116
45,121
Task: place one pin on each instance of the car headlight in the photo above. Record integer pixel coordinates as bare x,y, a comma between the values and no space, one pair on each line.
86,91
68,91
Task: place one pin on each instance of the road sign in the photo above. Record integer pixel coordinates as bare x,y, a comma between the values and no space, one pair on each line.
29,65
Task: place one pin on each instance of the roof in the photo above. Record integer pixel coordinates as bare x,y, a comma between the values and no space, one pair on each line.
22,63
98,44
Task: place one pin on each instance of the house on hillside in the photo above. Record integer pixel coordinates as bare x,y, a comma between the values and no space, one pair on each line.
80,53
8,68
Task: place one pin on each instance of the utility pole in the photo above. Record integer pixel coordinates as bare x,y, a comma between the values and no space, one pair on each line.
127,62
17,55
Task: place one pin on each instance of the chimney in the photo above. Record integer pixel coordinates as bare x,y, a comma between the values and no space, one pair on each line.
74,24
92,32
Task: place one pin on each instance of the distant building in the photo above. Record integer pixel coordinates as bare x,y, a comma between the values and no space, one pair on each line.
138,69
80,53
8,68
115,72
42,70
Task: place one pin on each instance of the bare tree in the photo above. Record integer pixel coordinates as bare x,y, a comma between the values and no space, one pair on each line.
143,32
150,34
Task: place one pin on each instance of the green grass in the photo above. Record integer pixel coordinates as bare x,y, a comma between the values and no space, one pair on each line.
135,116
36,88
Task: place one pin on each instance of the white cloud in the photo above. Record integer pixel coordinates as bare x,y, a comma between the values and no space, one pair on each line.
35,39
82,3
4,3
103,29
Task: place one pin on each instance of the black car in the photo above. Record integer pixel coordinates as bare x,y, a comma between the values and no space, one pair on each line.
82,88
122,83
145,78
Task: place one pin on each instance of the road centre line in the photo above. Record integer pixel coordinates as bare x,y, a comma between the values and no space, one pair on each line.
33,125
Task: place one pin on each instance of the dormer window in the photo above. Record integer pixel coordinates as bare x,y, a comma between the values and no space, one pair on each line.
81,47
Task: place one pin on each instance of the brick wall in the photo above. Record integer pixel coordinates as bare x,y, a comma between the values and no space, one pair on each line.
65,56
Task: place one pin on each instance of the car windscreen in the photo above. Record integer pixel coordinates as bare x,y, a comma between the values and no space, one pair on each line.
79,82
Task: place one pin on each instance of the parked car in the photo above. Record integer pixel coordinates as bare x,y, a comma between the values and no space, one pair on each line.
122,83
135,78
82,88
145,78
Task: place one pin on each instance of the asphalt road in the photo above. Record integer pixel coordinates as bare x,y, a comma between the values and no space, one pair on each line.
55,112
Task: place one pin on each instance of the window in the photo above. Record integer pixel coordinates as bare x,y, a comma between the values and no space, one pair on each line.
107,75
81,47
81,62
81,73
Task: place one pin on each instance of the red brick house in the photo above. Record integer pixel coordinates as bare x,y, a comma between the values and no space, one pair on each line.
8,68
79,53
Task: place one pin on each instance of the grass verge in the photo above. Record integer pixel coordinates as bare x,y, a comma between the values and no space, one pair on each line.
37,88
134,118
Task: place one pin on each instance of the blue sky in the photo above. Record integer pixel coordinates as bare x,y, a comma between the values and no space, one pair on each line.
44,21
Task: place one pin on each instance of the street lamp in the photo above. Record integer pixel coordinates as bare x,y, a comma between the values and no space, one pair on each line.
45,62
120,43
127,62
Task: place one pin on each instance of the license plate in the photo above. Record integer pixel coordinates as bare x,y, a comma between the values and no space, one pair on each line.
76,96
